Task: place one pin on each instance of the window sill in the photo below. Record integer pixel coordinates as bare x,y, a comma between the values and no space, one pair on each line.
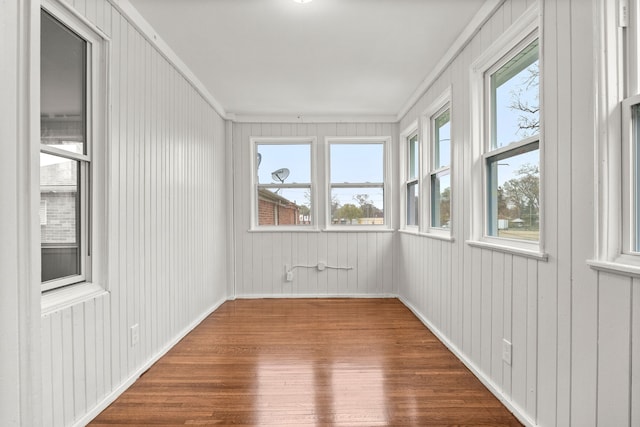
528,253
57,299
443,237
615,267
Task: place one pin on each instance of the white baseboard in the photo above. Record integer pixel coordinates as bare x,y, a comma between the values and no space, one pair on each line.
312,296
111,397
515,409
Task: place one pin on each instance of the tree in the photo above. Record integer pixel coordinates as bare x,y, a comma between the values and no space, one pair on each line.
529,118
445,206
369,210
524,193
348,211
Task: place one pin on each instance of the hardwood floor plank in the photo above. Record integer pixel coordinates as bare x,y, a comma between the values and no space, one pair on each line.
304,362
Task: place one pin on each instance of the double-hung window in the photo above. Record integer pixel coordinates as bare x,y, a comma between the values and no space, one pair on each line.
70,73
512,156
440,170
506,119
284,190
357,189
412,186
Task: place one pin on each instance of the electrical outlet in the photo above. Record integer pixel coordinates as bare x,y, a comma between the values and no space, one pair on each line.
289,276
135,335
506,352
288,273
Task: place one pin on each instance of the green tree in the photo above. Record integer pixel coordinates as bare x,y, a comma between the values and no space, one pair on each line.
524,193
348,211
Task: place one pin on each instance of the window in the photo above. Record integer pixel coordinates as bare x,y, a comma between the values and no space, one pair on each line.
506,141
440,171
284,192
412,173
512,157
357,182
631,141
66,152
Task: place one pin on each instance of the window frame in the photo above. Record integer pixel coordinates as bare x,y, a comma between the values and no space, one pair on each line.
91,165
385,185
255,185
405,152
437,108
517,37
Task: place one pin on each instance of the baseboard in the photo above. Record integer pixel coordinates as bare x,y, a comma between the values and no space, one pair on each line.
515,409
111,397
312,296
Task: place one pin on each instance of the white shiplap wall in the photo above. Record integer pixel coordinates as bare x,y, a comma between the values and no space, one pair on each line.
167,239
260,256
573,330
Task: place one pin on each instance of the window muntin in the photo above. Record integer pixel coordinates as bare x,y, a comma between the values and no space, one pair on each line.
283,184
411,184
512,158
440,173
356,183
65,158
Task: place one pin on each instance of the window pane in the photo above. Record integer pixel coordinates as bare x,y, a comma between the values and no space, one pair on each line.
513,194
442,138
412,203
63,66
284,206
515,98
413,157
357,206
441,200
60,229
357,163
284,163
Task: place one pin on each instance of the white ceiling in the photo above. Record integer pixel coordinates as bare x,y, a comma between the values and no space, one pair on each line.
327,57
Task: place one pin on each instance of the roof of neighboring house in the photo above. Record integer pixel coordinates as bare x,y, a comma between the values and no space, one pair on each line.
269,195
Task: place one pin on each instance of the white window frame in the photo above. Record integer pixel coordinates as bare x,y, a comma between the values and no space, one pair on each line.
441,104
385,185
92,191
618,81
519,35
410,132
255,185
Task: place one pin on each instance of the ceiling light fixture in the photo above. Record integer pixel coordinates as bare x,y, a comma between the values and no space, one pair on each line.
303,1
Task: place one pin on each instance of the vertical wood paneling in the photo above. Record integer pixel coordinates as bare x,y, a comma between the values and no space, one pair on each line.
614,364
167,235
259,267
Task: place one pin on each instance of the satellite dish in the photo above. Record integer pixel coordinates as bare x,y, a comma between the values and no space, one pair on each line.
280,174
259,158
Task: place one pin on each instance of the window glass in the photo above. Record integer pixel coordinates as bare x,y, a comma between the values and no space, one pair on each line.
63,87
441,196
413,157
357,163
514,194
284,184
356,183
64,161
515,98
357,206
294,158
442,139
635,149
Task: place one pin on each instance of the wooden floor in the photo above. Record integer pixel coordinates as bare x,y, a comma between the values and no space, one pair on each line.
304,362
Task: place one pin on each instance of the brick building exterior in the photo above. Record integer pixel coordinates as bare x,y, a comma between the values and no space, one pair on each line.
274,209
